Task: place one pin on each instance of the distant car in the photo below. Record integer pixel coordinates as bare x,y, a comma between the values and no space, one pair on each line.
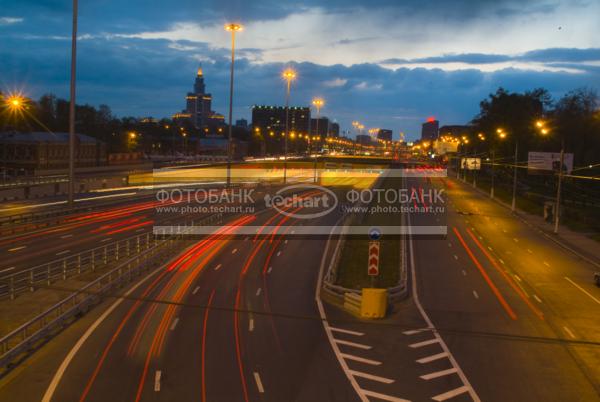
597,278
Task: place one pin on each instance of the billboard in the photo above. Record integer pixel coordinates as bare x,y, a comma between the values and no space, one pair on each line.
470,163
541,162
443,147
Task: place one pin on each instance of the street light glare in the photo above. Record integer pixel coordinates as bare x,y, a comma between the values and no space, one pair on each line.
289,74
234,27
318,102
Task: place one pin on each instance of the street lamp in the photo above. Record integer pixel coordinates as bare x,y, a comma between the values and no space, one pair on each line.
318,103
233,28
288,75
541,125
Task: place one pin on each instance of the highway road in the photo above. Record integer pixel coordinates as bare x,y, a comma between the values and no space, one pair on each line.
497,312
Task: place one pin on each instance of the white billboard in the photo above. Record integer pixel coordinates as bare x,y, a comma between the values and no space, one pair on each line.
470,163
538,162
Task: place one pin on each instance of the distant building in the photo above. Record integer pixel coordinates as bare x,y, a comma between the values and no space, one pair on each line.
364,139
272,119
384,134
24,153
430,129
454,131
322,128
198,108
242,123
334,130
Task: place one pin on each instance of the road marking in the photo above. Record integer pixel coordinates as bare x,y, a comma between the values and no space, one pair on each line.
258,383
569,332
278,253
66,236
450,394
438,374
105,240
269,270
504,230
455,257
346,331
360,359
140,230
293,231
546,264
415,331
285,242
515,239
258,291
246,238
537,298
424,343
196,290
175,321
529,251
518,278
234,251
157,376
583,290
16,248
371,377
65,363
464,272
475,295
7,269
432,358
353,344
449,244
218,267
251,325
489,248
63,252
501,261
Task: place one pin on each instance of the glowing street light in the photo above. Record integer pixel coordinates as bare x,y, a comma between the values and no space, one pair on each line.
233,28
318,104
288,75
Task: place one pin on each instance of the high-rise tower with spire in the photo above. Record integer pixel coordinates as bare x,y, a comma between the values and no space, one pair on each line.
198,105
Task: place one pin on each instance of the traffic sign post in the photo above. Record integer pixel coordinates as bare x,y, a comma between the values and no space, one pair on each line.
373,262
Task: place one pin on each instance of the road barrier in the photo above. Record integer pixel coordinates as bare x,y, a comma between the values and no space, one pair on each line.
11,285
15,346
353,303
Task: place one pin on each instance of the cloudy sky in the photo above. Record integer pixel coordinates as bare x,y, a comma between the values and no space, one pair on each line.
386,63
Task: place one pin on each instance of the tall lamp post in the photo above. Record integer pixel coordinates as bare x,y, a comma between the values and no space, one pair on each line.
288,75
233,28
501,135
318,104
541,125
72,108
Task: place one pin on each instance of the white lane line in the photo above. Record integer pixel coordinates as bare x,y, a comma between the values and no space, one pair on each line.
360,359
259,385
105,240
450,394
518,278
415,331
537,298
66,236
515,239
432,358
140,230
424,343
546,264
529,251
475,294
218,267
258,291
16,248
353,344
583,290
269,270
346,331
371,377
175,321
438,374
196,290
455,257
157,376
234,251
501,261
464,272
278,253
460,373
489,248
7,269
65,363
251,325
285,242
569,332
63,252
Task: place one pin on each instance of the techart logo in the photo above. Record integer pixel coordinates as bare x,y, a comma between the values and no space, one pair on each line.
303,201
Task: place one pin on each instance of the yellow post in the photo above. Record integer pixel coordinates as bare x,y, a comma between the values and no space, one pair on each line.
374,303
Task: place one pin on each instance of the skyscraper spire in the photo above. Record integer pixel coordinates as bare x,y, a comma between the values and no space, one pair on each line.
199,87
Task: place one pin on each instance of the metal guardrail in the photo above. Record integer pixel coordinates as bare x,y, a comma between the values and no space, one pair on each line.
11,285
33,181
26,337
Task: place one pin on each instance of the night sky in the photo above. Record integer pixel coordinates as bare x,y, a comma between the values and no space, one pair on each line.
385,63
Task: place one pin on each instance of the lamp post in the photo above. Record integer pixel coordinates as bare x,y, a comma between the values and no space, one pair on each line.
318,103
541,125
233,28
288,75
501,135
72,108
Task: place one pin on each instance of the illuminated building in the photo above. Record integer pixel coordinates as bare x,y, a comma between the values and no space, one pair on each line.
429,130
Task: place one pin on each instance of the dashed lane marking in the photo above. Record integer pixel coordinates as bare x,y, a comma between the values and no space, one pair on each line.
432,358
537,298
234,251
360,359
175,321
371,377
424,343
259,384
258,291
475,294
218,267
353,344
157,376
438,374
196,290
569,332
